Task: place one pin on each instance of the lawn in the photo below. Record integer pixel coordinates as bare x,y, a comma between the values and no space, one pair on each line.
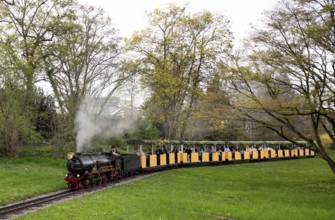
25,177
293,189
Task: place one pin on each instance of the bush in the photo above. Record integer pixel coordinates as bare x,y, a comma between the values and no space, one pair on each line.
43,152
327,141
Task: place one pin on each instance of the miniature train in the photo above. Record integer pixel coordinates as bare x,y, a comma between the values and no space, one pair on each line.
88,170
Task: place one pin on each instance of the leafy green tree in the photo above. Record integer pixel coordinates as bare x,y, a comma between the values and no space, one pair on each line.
46,119
292,60
143,130
16,125
74,48
178,51
27,26
210,121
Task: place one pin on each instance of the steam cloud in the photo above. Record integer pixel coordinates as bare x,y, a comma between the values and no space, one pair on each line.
86,128
89,123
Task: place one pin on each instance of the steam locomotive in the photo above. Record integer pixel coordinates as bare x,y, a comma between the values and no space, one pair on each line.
88,170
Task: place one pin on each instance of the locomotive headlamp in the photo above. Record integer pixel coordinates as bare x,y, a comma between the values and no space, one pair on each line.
78,175
66,175
70,155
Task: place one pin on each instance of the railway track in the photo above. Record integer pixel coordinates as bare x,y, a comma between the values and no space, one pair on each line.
19,208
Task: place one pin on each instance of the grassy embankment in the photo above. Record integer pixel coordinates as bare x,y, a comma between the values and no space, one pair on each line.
293,189
21,178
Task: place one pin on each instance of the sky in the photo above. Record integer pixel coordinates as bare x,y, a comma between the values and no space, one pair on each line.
129,15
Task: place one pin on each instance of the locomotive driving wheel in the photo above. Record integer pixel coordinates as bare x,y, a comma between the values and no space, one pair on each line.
80,185
87,183
99,181
103,179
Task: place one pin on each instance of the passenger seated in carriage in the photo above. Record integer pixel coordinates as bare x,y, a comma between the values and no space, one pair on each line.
158,150
164,151
200,152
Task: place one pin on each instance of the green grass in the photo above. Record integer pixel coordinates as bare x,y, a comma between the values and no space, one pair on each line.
293,189
26,177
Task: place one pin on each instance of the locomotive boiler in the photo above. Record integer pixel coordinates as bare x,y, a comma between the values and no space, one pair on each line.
80,164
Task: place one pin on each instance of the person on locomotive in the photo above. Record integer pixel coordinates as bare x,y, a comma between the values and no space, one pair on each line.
114,151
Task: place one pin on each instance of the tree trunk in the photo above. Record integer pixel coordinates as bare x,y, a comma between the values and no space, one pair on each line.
329,160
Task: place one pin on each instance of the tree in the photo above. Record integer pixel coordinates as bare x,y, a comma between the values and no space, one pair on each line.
211,117
16,124
292,60
84,62
46,119
177,52
72,47
29,24
143,130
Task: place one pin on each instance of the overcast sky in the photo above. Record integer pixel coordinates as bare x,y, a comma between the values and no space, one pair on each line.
129,15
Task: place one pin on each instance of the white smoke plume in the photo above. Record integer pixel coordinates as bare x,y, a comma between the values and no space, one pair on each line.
86,128
90,122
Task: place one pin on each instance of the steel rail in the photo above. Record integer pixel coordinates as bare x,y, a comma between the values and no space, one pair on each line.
18,208
15,208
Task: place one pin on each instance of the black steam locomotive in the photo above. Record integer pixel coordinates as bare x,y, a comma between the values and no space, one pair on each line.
88,170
